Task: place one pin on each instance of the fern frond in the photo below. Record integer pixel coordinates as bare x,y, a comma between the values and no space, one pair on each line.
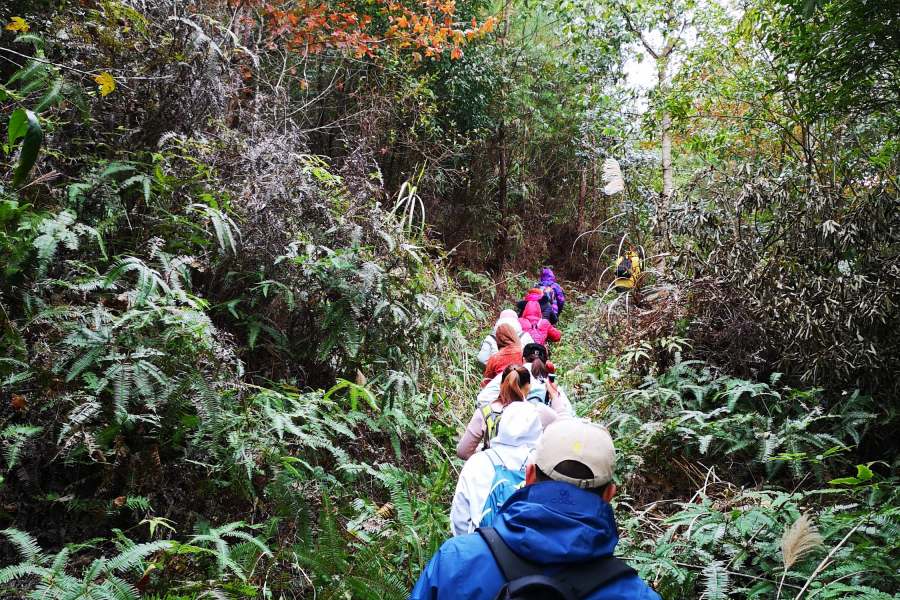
716,581
52,96
135,555
26,545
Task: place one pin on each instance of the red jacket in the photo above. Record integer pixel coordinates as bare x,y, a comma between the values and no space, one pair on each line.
540,329
511,355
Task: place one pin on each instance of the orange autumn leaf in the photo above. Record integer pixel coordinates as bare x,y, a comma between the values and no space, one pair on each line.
428,24
106,82
18,24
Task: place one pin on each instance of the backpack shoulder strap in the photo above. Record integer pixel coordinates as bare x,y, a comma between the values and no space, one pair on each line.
589,576
524,578
511,564
491,452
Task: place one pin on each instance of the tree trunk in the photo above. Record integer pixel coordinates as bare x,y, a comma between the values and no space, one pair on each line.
503,245
503,170
668,184
581,199
667,177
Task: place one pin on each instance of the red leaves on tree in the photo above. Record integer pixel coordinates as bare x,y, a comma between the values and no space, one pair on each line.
310,27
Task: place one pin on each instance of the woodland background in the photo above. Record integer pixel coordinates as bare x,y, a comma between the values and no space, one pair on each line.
249,251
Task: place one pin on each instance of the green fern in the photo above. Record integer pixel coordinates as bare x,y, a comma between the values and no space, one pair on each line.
99,580
14,438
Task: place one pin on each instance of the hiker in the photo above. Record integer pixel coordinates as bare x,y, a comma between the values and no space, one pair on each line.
509,353
540,329
628,269
535,359
552,290
559,528
515,384
547,309
489,345
505,459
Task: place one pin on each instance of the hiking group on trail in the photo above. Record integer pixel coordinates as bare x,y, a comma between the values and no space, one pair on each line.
530,516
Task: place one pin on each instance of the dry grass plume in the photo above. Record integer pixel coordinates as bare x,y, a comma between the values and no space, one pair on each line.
799,540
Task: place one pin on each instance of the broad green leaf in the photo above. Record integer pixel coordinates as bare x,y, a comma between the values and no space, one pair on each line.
18,125
30,148
863,473
845,481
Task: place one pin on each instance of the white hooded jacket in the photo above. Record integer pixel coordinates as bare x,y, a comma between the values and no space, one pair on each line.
489,345
518,434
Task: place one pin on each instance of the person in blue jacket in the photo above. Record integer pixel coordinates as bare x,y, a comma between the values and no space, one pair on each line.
561,517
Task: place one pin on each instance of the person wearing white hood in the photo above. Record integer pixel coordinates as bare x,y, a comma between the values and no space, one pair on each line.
518,433
489,345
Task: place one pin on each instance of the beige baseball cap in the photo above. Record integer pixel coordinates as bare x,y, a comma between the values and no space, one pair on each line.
579,440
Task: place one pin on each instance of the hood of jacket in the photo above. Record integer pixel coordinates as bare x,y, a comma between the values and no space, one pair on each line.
547,276
556,522
507,336
514,323
532,311
520,425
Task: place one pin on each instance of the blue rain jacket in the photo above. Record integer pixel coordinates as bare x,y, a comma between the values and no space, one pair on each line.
550,523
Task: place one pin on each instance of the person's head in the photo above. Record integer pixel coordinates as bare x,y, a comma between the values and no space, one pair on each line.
536,354
577,452
514,323
532,310
547,275
515,384
534,294
508,314
507,336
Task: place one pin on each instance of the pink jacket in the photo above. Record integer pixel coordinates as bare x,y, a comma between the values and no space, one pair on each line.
539,328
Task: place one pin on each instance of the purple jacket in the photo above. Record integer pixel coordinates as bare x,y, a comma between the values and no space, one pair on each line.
548,279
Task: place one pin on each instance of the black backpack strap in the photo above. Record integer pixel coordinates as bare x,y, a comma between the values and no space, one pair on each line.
511,564
577,581
584,578
524,578
539,586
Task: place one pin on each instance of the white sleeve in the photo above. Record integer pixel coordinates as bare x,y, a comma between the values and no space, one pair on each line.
487,349
490,392
460,511
526,339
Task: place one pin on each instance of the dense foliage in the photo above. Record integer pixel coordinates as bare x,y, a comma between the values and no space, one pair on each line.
249,249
